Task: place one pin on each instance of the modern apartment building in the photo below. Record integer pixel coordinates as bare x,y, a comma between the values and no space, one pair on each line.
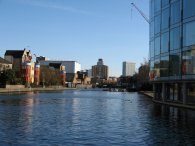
100,70
172,50
128,68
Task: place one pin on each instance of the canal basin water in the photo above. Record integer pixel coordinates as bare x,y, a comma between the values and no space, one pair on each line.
84,117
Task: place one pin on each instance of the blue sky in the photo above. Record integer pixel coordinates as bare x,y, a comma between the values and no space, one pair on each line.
80,30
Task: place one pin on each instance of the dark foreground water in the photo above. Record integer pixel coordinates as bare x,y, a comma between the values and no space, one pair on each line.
92,118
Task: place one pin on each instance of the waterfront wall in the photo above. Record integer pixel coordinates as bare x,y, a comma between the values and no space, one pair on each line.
14,86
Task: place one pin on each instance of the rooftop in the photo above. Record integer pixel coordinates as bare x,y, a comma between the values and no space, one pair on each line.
14,53
4,61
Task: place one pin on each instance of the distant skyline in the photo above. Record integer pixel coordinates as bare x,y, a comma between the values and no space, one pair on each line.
79,30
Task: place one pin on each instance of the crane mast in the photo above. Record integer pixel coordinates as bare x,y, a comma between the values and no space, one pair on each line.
143,15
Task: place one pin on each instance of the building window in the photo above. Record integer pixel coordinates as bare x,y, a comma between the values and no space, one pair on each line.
152,8
188,65
157,67
188,8
164,66
165,2
174,63
175,38
152,29
157,5
157,24
189,34
165,19
157,46
165,42
151,49
175,12
151,65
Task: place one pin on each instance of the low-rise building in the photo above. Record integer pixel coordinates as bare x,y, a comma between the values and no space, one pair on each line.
22,64
53,74
4,64
17,58
72,67
83,77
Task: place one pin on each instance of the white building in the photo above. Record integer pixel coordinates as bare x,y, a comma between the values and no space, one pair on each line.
70,66
128,68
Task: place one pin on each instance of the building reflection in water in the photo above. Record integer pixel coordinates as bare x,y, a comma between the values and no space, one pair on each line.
22,117
172,120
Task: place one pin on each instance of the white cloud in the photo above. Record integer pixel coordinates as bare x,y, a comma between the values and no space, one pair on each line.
52,4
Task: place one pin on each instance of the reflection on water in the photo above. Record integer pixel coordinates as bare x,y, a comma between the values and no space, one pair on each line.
92,118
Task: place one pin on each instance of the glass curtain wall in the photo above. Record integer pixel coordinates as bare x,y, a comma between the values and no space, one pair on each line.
172,37
175,63
188,8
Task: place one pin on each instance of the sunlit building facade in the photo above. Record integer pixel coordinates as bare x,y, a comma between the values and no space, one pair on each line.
172,50
100,70
128,68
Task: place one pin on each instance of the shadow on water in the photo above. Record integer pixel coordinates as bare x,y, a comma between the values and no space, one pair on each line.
173,125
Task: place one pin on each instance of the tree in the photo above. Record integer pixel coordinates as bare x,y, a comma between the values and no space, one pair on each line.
9,77
143,76
50,76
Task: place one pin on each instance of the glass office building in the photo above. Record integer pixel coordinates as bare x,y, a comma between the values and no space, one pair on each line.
172,50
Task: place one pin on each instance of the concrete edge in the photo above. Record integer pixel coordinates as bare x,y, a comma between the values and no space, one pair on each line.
150,94
175,104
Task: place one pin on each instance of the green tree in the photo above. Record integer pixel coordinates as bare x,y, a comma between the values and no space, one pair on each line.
8,77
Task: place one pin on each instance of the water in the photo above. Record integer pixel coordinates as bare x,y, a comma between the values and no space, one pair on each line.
77,117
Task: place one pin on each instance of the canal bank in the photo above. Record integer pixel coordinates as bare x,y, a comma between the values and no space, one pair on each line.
150,94
5,91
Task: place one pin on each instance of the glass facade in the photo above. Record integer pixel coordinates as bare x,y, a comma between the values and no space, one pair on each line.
172,38
165,19
157,24
188,66
164,66
165,42
175,12
175,61
157,46
188,8
175,37
172,50
189,33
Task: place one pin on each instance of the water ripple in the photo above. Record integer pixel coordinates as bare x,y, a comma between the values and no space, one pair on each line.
92,118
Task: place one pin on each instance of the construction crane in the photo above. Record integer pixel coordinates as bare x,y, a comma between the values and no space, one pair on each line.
143,15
